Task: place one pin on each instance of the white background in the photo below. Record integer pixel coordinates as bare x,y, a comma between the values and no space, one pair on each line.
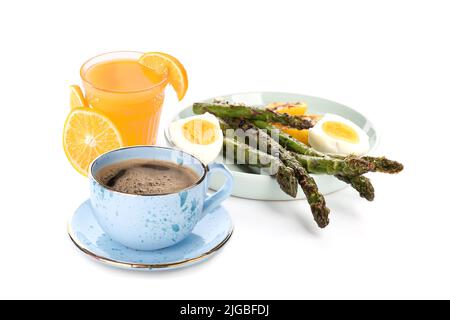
388,59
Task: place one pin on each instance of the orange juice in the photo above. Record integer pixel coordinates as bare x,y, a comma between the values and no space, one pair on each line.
128,93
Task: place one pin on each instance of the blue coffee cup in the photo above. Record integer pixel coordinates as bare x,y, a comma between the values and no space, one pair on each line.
151,222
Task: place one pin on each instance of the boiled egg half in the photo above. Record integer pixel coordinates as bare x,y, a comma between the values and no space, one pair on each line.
198,135
334,134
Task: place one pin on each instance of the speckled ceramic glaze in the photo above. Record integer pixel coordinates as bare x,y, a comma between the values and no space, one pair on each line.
208,236
150,222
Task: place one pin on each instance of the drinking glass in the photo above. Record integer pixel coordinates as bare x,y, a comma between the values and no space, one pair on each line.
135,112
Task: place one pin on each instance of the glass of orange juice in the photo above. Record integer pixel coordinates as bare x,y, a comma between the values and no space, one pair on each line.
128,93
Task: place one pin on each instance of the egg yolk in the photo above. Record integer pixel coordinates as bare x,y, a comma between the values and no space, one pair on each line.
199,131
340,131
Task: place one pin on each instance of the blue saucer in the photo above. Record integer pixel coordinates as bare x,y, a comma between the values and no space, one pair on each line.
208,236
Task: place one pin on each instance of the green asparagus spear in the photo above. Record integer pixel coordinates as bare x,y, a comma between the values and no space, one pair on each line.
252,157
378,164
249,156
265,142
315,198
350,167
225,110
383,164
287,181
360,184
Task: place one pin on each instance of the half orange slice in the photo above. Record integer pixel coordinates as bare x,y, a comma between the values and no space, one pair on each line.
77,98
88,134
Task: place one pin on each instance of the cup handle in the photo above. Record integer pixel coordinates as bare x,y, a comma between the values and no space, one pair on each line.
214,200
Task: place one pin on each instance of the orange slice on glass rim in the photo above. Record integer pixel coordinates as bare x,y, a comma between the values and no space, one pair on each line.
161,63
88,134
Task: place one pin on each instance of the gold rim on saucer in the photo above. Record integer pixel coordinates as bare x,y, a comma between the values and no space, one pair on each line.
142,266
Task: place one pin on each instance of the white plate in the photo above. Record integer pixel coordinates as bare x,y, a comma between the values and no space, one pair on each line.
248,184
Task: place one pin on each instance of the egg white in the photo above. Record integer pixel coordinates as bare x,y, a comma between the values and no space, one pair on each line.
321,141
206,153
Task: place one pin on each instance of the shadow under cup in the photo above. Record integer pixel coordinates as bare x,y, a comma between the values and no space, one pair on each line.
150,222
135,113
